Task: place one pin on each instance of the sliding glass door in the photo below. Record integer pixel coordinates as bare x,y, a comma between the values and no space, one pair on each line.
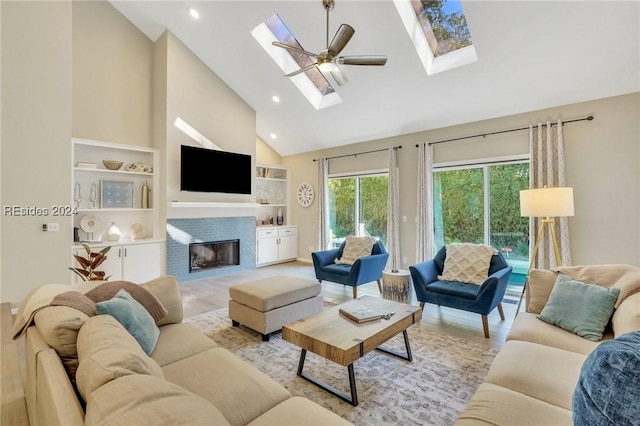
358,206
481,204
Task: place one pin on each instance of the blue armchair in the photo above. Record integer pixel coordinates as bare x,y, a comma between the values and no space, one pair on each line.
364,270
481,299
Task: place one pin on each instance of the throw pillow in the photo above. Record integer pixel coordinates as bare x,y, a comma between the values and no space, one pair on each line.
143,296
134,317
608,388
355,248
467,263
581,308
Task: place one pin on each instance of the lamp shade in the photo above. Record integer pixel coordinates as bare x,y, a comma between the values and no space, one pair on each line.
546,202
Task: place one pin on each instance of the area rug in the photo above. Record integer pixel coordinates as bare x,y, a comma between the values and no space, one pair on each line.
431,390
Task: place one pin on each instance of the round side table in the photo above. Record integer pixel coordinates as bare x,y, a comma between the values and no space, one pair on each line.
396,285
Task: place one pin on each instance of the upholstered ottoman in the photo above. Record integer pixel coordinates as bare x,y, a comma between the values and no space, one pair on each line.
267,304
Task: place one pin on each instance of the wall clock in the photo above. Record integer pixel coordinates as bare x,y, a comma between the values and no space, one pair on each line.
305,194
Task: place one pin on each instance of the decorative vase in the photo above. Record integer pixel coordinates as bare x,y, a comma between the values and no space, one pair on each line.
280,218
113,233
145,195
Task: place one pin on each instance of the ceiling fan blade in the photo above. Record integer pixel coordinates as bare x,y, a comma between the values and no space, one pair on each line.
339,76
294,49
362,60
301,70
340,40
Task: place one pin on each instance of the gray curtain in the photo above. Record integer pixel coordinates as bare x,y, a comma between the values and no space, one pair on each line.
546,146
424,206
323,238
393,220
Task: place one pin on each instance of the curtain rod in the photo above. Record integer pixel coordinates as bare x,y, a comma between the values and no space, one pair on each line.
589,118
360,153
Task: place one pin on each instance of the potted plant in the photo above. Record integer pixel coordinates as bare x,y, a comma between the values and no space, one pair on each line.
88,265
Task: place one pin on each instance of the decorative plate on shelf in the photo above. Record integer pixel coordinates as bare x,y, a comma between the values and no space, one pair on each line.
117,194
304,194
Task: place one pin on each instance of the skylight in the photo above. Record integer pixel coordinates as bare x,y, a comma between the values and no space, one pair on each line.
439,32
313,85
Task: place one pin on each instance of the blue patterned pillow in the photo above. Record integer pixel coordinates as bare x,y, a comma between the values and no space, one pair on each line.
581,308
608,389
134,317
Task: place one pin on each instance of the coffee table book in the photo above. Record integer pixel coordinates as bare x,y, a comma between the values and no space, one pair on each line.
362,314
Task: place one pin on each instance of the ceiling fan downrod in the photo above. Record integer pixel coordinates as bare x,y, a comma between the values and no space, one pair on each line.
328,6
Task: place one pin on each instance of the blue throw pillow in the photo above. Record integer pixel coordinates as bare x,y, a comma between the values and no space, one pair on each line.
581,308
608,389
134,317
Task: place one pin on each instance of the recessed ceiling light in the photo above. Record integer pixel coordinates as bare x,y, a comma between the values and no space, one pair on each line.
275,99
194,13
273,136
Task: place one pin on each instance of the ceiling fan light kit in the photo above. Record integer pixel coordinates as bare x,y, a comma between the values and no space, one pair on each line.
328,60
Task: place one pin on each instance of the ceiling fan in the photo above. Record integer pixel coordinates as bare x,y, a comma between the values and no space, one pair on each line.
328,60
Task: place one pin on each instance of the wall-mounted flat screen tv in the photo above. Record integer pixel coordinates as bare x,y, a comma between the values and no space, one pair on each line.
208,170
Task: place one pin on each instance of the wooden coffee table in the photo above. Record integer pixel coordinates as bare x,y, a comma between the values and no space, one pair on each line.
343,341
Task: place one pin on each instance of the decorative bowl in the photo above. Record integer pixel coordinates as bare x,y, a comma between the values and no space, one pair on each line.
112,164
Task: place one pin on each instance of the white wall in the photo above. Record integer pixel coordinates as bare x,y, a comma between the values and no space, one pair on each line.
112,76
36,143
206,103
602,164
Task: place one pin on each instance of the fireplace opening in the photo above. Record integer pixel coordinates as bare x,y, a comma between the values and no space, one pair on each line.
213,254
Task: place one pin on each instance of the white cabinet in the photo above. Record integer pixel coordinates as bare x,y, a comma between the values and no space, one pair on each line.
276,244
126,196
137,263
272,193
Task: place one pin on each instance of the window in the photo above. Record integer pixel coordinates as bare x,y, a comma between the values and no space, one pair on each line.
358,206
439,32
480,204
311,83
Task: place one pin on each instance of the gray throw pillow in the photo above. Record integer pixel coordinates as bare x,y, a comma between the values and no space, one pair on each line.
581,308
134,317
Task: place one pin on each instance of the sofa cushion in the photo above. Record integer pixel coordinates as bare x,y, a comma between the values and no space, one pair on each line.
578,307
355,248
167,290
467,263
134,317
233,377
179,341
527,327
496,405
156,402
59,326
144,297
540,282
107,351
609,387
627,317
541,372
300,412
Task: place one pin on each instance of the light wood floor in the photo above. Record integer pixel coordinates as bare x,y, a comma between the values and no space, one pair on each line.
213,293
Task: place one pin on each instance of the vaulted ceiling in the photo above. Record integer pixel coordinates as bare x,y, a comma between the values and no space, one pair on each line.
531,55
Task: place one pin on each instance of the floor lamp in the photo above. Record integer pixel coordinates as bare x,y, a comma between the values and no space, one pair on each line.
547,203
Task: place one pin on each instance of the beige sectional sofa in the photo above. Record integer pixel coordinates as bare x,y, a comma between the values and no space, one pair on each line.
187,379
533,377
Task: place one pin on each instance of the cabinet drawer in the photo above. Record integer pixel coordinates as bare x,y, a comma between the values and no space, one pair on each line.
266,233
287,231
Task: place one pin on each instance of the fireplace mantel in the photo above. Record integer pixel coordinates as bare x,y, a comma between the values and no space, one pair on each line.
195,209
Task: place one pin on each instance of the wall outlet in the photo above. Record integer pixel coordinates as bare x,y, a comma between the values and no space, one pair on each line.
310,248
404,219
404,260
